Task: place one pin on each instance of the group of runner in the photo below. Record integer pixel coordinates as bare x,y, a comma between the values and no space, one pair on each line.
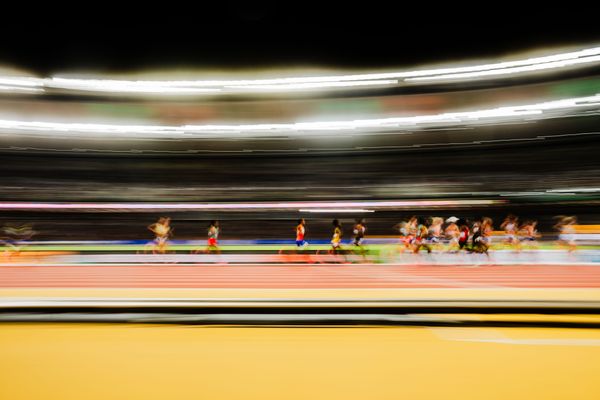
359,231
450,235
163,232
476,237
415,234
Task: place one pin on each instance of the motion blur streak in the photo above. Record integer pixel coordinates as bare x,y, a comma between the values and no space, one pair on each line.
333,206
548,63
528,112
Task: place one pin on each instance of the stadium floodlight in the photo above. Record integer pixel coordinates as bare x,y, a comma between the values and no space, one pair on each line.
393,125
200,87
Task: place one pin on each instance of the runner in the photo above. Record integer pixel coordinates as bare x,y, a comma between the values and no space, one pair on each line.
435,232
300,232
421,237
529,234
405,237
359,231
463,236
510,226
213,235
481,236
336,239
452,233
566,227
162,230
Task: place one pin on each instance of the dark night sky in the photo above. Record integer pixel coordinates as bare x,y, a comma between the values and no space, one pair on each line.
234,37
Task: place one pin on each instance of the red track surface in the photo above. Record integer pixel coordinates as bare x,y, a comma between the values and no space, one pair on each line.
301,276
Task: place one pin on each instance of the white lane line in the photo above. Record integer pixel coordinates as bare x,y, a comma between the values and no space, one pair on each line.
539,342
488,335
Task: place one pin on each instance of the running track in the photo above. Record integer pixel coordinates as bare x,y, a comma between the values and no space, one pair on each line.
300,276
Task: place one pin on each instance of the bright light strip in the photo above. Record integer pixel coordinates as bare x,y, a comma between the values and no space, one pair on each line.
507,71
16,89
333,206
125,86
580,56
21,81
315,85
522,194
200,87
21,85
305,129
336,210
586,190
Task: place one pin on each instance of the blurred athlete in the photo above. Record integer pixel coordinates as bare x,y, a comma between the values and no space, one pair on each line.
300,233
162,231
213,235
463,235
566,228
481,236
336,239
359,231
421,236
435,232
452,233
529,233
405,237
510,227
